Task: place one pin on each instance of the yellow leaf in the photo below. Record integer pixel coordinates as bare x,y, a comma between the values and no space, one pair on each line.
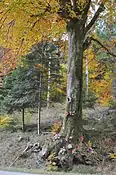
112,155
89,143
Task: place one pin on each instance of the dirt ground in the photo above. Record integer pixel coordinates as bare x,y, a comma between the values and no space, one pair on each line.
13,143
11,147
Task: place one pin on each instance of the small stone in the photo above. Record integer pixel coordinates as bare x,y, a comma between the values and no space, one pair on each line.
10,145
36,144
53,163
69,146
43,152
20,138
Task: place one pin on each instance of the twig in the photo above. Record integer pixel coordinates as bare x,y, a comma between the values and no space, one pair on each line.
108,51
22,153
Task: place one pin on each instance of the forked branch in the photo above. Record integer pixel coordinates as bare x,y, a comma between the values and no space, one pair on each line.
100,9
88,41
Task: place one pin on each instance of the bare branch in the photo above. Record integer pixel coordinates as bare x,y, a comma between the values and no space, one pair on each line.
86,9
87,43
35,23
73,4
2,23
64,10
100,9
1,12
40,16
85,13
3,18
10,24
104,47
4,15
20,47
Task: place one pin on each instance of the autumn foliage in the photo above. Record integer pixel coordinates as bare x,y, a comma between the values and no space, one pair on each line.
99,78
8,61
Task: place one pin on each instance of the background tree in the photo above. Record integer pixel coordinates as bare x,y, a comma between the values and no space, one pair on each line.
101,63
27,86
23,92
47,55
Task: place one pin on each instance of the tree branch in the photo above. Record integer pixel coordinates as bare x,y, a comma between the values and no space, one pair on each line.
2,23
100,9
86,9
104,47
22,41
35,23
85,12
64,9
75,7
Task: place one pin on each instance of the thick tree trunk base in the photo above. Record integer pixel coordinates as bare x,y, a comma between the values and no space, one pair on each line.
59,155
62,154
72,127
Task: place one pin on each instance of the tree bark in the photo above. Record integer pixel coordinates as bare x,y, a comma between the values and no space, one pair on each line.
23,120
72,124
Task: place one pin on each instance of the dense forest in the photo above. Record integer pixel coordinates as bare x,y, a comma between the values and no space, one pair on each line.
58,84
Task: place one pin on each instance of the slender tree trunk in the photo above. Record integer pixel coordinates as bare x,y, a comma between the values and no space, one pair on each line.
49,77
72,124
39,104
23,120
87,76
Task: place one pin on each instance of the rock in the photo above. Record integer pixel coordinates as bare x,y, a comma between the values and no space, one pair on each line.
62,151
88,162
69,146
36,147
43,153
10,145
20,138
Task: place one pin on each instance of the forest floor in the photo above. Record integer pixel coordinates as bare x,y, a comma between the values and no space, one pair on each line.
12,144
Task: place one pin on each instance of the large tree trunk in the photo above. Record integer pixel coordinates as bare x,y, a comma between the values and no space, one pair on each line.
72,125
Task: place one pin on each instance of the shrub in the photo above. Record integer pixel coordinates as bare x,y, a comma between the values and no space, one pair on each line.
4,121
8,123
52,162
112,104
56,127
90,100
